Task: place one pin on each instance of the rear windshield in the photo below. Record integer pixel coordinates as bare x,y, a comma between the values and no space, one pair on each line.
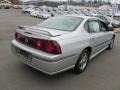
65,23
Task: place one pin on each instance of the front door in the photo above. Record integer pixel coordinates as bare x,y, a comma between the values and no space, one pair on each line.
97,37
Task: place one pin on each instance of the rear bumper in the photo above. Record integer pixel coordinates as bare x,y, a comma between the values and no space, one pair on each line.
49,64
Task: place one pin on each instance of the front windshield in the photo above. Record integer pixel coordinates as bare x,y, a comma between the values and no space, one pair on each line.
65,23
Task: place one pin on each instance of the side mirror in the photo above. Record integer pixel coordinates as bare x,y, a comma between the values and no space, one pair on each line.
110,28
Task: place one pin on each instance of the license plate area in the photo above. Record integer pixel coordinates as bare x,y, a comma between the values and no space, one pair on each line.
23,53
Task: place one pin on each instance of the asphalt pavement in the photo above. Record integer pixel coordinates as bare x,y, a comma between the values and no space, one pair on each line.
103,72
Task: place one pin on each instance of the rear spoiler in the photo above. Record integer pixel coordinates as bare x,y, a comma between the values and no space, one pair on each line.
41,31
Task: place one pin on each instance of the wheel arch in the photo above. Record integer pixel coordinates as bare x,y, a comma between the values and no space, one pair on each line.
89,49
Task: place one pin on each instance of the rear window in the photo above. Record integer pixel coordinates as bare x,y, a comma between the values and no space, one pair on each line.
65,23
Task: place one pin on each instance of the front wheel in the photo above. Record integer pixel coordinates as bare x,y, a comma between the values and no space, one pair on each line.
82,61
111,44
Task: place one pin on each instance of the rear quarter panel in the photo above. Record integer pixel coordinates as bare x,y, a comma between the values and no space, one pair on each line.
73,43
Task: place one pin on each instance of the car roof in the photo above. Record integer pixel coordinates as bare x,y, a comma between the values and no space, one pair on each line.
85,17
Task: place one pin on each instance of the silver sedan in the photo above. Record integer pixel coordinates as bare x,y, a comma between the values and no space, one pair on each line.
61,43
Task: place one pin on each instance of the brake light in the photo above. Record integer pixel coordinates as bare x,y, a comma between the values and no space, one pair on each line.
38,43
48,46
52,47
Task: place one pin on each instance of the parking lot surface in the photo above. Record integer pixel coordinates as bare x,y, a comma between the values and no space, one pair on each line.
103,72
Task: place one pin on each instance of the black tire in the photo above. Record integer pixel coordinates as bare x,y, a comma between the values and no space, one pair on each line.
111,44
78,68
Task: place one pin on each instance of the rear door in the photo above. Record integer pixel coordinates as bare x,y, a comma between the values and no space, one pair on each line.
97,37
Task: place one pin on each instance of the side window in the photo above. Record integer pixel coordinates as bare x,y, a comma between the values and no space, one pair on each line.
103,26
94,26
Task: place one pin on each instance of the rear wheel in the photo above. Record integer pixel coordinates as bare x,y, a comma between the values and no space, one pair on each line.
82,62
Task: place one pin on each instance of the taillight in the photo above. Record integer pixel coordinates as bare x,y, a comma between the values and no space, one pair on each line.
52,47
38,43
48,46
